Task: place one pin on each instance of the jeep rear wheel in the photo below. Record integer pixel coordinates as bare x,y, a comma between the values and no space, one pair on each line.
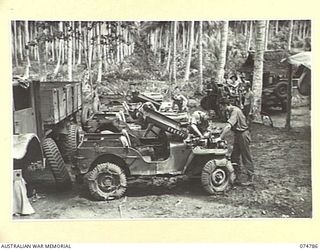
217,178
69,142
56,164
106,181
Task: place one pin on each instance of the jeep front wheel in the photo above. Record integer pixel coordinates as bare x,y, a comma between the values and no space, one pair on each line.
216,178
56,164
106,181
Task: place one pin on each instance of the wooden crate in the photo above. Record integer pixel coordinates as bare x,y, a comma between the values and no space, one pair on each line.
59,100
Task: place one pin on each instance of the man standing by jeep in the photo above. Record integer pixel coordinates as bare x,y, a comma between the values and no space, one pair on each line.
241,147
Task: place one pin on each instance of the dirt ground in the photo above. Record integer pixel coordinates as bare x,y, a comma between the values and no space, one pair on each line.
282,186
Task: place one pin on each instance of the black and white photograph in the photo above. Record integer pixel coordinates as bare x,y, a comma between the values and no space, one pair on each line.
127,120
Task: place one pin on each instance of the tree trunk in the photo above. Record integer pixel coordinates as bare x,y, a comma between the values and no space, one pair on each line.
300,28
20,43
187,72
56,70
105,31
52,45
111,52
70,56
288,118
118,43
63,48
73,33
121,41
99,53
290,34
246,30
169,52
183,40
160,44
266,36
26,27
223,51
42,53
200,58
108,53
90,44
174,66
304,34
277,27
250,36
258,69
80,44
15,49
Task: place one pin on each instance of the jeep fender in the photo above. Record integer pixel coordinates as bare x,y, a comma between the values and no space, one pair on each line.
224,163
206,151
25,143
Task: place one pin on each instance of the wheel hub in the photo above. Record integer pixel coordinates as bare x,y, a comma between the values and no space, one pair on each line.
107,182
218,177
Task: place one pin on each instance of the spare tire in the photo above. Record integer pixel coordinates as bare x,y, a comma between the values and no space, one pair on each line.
56,164
281,89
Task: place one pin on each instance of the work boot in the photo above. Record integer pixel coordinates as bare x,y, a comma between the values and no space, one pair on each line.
249,182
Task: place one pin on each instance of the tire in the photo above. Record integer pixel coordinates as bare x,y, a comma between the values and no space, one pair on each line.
281,90
85,116
56,164
69,143
106,181
217,178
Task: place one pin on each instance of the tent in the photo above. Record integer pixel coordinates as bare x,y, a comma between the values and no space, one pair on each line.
304,84
303,60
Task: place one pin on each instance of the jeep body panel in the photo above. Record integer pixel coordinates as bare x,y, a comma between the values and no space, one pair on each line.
99,145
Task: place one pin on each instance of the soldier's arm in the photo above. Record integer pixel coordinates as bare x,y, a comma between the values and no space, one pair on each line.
195,128
225,130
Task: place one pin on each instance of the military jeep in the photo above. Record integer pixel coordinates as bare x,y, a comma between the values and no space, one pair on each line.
105,161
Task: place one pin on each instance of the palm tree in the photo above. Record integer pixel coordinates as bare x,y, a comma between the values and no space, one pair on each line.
26,27
258,68
290,34
70,51
174,66
200,57
191,41
98,27
223,50
56,70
